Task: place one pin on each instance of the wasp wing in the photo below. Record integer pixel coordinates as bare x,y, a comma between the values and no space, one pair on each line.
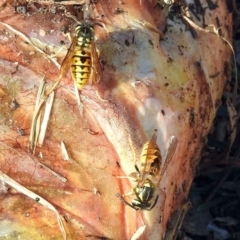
96,73
68,59
171,148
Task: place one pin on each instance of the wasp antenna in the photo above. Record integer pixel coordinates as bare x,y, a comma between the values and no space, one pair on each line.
99,24
67,14
102,25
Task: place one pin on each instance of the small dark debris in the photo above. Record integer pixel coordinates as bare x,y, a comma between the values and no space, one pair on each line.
65,29
133,39
212,5
198,7
192,8
191,29
180,50
118,11
170,60
20,131
14,105
192,117
164,31
219,27
103,62
65,218
150,41
98,237
175,10
127,43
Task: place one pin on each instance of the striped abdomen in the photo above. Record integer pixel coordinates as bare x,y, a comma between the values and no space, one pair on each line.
151,158
81,62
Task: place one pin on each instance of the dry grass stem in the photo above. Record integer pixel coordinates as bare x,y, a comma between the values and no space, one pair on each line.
35,197
63,179
45,120
27,39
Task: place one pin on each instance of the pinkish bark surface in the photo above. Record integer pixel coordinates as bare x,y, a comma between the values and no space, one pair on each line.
147,84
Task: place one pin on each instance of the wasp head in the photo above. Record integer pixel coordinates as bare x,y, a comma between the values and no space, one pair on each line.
85,30
144,193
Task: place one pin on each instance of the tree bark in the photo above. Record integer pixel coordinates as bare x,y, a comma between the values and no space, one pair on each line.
169,82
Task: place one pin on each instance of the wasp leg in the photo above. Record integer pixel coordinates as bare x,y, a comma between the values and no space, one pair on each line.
155,202
124,201
52,88
135,176
129,177
137,169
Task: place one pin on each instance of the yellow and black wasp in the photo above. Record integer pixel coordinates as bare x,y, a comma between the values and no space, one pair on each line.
151,162
82,56
150,165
